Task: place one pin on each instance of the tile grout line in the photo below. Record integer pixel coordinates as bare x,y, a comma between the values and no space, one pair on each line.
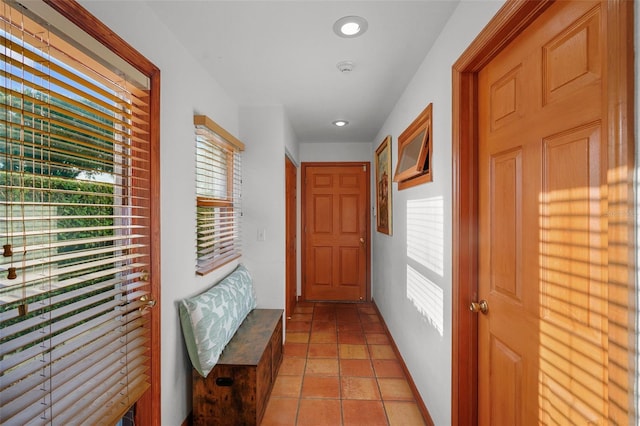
365,329
375,375
306,362
424,412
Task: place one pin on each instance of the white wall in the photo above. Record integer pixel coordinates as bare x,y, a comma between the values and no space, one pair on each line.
411,270
291,145
267,133
340,151
186,89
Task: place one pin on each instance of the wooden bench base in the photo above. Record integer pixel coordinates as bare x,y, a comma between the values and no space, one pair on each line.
238,388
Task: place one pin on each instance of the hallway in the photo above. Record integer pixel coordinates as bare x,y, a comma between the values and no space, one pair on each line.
339,368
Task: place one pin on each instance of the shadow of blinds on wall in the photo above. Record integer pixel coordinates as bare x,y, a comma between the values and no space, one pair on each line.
74,223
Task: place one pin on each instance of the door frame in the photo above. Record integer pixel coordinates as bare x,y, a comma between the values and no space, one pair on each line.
509,22
367,237
291,238
148,407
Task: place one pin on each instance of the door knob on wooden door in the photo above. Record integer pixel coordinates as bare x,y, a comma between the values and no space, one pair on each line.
148,302
481,306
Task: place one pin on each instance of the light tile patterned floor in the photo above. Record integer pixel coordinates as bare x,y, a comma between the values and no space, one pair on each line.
339,368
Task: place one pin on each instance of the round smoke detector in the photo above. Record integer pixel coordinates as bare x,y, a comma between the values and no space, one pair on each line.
345,66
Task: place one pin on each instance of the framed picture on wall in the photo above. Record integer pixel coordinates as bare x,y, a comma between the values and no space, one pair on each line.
384,206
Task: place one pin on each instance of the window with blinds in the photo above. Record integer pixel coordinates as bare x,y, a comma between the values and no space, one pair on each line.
74,225
218,189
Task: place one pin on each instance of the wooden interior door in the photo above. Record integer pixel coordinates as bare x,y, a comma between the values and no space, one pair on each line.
543,348
291,175
336,225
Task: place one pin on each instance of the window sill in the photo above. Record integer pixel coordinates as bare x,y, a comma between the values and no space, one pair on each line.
210,267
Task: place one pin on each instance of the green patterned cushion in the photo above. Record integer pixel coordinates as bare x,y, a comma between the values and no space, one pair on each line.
210,319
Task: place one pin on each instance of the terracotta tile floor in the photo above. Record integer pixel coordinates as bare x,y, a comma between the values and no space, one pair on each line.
339,368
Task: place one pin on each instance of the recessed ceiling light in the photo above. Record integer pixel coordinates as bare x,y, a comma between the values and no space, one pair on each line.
350,26
340,123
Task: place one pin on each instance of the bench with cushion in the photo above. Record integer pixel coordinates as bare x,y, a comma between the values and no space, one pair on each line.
235,349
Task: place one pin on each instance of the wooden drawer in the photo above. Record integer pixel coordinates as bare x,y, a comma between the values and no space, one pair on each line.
237,389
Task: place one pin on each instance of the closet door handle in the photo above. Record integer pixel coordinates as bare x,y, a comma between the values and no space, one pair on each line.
481,306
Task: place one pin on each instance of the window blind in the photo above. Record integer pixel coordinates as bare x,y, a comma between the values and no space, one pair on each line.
218,191
74,225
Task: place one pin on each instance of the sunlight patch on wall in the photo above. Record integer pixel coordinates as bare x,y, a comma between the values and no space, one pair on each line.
425,233
427,297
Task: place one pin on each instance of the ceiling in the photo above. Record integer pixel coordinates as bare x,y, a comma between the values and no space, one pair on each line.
286,53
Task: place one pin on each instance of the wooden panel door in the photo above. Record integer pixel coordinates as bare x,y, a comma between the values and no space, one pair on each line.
542,348
336,231
291,175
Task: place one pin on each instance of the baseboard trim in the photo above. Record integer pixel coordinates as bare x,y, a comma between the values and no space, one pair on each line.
421,406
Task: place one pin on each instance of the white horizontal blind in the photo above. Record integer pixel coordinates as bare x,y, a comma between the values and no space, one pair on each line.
74,217
218,190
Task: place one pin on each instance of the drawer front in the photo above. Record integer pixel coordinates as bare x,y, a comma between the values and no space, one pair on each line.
226,397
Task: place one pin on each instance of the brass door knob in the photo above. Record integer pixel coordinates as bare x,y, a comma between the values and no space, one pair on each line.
147,302
481,306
